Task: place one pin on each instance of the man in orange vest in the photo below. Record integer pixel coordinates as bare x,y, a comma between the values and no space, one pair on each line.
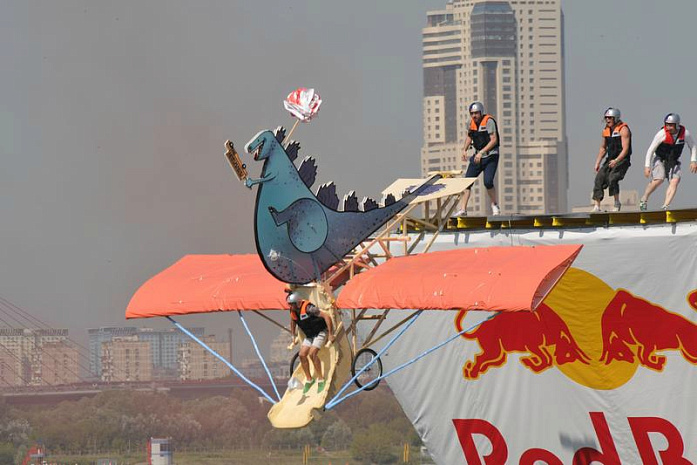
483,134
663,159
616,144
317,326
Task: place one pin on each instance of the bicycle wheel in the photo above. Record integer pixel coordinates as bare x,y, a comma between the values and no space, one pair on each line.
369,377
294,362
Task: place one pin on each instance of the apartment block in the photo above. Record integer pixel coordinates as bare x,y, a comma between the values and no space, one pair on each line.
59,363
126,359
27,359
164,344
196,363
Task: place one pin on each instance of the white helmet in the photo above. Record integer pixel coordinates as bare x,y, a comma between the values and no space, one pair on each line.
477,106
613,112
672,118
293,298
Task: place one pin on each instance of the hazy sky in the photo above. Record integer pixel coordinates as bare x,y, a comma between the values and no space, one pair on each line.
113,117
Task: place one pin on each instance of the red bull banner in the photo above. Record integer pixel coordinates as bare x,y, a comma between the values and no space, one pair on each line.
603,372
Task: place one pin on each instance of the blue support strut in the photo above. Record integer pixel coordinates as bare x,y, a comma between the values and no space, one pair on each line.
261,358
336,401
222,359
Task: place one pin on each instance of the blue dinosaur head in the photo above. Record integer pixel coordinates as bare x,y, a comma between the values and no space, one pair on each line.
261,145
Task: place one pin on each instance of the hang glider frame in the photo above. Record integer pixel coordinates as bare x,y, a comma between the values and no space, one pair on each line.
437,209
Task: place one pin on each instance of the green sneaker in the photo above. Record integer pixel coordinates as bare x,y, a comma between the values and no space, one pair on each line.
642,205
320,386
308,385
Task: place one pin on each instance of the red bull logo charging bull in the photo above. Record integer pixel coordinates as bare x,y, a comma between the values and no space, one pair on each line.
597,337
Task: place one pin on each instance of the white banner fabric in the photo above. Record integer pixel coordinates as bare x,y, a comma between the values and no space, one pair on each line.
605,371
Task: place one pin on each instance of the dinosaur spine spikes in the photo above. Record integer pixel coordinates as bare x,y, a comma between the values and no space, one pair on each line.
368,204
280,134
350,202
326,194
292,150
308,171
389,199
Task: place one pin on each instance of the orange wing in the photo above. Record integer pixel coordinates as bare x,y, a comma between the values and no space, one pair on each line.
491,278
208,283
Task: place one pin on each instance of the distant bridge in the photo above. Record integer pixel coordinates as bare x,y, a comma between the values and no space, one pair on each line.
51,395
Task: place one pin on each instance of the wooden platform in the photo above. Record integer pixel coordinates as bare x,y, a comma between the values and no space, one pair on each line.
572,220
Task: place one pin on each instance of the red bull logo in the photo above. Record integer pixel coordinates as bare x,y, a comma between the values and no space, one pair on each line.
593,334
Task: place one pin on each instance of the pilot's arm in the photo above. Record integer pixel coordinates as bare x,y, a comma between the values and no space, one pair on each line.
293,334
328,321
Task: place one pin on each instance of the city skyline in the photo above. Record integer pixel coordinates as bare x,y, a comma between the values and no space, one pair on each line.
48,357
113,124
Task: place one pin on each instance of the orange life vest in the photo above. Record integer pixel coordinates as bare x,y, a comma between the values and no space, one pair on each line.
480,136
613,141
311,325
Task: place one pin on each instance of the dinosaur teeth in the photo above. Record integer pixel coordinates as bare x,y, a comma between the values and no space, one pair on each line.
257,151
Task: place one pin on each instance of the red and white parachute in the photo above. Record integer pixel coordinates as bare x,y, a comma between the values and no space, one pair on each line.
303,103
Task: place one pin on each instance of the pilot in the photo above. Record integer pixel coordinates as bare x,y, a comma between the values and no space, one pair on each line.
317,327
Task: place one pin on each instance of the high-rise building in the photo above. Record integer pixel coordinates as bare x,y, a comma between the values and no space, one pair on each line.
99,336
29,359
196,363
509,55
164,346
126,359
59,363
10,369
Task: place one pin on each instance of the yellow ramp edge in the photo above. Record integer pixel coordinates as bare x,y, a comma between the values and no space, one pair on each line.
296,409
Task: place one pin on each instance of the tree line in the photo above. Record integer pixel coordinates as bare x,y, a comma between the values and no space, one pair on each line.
370,424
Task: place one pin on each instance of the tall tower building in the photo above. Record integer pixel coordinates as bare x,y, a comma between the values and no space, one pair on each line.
509,55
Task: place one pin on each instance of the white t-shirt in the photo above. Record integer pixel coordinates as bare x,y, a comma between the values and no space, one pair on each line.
660,137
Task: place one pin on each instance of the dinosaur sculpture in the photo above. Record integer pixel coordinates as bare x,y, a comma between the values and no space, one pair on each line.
300,235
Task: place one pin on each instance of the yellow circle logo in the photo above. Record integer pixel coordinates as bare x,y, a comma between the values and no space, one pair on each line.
580,299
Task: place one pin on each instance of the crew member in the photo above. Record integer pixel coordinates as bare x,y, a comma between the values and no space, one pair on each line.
616,149
483,134
663,159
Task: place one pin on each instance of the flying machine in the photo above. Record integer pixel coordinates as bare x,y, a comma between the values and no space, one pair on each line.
357,262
